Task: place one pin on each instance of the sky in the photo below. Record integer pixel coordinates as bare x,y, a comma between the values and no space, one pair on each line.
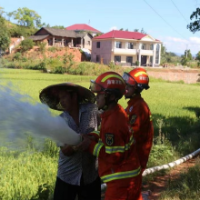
165,20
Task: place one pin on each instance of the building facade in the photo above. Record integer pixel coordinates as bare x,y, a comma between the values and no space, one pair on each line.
126,48
62,38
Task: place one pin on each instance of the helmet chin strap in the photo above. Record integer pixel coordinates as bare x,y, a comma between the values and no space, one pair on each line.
131,96
105,107
107,101
136,92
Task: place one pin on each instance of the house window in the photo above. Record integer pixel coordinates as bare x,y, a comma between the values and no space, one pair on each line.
98,44
97,58
151,46
118,45
88,43
130,45
143,46
129,60
117,58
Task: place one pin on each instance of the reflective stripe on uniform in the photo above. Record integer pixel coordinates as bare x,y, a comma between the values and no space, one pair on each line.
97,148
121,175
96,132
121,149
99,127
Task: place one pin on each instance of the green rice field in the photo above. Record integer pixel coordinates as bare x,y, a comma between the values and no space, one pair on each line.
31,174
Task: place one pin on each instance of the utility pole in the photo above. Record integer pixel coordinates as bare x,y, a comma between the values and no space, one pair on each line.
186,50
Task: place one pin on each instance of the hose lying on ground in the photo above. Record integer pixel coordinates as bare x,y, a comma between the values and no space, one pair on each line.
171,164
166,166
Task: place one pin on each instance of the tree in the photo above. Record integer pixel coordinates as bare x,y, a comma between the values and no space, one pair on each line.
168,57
142,31
136,30
4,35
1,11
26,45
198,58
27,17
42,47
188,54
9,14
186,57
195,25
58,27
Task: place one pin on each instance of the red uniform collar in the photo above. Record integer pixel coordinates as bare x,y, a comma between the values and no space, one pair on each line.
134,99
109,112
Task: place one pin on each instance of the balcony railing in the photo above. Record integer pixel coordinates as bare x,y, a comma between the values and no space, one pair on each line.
146,52
124,51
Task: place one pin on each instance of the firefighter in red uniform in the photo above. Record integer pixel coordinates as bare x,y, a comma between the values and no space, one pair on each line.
114,145
139,113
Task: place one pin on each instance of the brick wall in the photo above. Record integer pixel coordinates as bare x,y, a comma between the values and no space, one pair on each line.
188,76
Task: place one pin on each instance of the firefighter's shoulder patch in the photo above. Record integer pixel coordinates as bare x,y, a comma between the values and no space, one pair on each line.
109,139
133,118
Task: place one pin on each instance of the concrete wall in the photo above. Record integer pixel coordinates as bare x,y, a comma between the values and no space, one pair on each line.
104,51
88,42
188,76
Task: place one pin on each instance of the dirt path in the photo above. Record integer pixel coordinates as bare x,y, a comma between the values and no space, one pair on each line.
153,189
160,183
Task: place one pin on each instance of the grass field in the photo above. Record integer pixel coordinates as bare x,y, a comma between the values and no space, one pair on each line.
175,109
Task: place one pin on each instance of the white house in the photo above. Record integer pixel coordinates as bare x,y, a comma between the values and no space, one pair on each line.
126,48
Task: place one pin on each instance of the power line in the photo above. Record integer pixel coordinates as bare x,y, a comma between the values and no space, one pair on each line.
179,11
163,19
169,24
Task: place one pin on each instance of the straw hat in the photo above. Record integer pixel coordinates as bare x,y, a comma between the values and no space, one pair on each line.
50,94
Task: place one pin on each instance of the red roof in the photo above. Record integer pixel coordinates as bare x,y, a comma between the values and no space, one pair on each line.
82,27
122,34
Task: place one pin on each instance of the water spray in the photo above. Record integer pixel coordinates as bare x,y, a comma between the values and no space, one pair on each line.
19,117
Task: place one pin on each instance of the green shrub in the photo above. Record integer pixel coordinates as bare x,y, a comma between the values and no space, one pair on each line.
52,49
26,45
17,56
58,70
68,59
24,59
137,63
112,65
42,47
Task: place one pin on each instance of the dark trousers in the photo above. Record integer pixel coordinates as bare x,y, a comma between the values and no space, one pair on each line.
65,191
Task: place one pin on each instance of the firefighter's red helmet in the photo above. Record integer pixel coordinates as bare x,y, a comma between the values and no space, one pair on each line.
110,82
137,77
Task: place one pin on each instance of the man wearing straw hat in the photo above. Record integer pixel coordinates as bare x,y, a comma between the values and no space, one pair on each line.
77,175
